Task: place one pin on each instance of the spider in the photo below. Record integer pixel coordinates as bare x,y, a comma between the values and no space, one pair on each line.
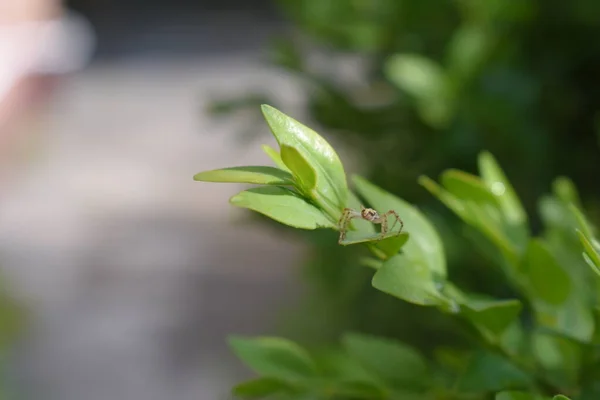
368,214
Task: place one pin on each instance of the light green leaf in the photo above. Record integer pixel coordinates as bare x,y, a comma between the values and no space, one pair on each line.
331,185
282,205
304,175
545,276
560,397
408,280
581,220
497,183
259,388
274,155
274,357
490,372
425,246
396,363
252,174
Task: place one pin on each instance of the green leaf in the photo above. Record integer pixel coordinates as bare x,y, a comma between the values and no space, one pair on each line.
497,183
393,239
408,280
274,357
490,372
468,187
560,397
417,75
254,174
591,256
467,49
495,316
282,205
478,210
490,315
566,191
394,362
304,174
426,81
355,390
274,155
516,395
331,186
425,246
390,246
259,388
545,276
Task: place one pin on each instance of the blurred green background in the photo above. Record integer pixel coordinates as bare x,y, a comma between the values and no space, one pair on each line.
432,84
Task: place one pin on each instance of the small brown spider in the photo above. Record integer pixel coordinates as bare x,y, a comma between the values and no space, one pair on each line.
368,214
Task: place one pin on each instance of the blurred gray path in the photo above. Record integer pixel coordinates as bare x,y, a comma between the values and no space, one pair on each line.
133,272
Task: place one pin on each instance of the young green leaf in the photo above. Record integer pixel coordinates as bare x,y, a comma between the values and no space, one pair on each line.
304,175
547,279
259,388
275,156
591,256
425,246
253,174
409,280
282,205
331,186
274,357
397,364
497,183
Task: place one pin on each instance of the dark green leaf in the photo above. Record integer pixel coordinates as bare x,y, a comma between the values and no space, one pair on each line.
282,205
425,246
274,357
493,315
394,362
304,174
259,388
490,372
330,176
253,174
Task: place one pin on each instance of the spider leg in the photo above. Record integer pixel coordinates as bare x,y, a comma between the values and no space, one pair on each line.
396,220
347,216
